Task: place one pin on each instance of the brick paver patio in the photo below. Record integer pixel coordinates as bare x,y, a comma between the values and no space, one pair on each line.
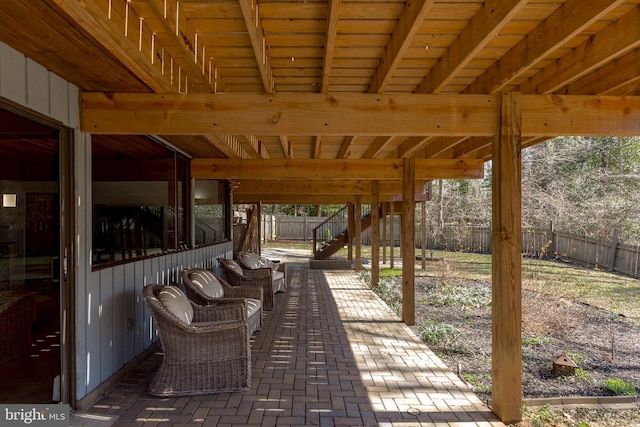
330,354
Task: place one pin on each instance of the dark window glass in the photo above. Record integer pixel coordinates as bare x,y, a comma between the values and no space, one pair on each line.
211,211
138,198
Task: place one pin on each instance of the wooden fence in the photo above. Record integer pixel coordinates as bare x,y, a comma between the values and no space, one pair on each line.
609,255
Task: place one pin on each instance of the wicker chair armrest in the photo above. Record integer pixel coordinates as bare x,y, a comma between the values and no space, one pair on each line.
216,326
282,267
266,284
188,344
221,309
257,281
255,292
257,273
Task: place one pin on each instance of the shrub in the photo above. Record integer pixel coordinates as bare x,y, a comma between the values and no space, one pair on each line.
465,296
543,416
440,335
619,387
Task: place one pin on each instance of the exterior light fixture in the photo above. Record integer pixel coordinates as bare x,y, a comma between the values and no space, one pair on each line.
9,200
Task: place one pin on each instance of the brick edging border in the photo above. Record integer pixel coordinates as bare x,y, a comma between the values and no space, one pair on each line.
578,400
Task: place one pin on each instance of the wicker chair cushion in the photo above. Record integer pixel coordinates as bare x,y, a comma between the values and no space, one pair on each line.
253,261
177,303
234,266
208,283
253,306
277,275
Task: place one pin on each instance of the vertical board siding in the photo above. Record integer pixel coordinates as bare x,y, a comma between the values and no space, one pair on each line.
83,261
59,99
130,305
119,317
91,332
149,278
13,75
37,87
105,321
140,308
30,85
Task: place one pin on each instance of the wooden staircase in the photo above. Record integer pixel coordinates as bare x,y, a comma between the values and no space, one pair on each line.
322,248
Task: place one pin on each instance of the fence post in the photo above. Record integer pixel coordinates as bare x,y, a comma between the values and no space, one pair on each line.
614,251
552,245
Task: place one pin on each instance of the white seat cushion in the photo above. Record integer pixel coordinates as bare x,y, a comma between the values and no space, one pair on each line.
254,261
208,283
277,275
177,303
279,283
253,306
234,266
251,260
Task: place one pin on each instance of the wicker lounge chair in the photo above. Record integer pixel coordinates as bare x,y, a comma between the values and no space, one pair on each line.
278,270
204,287
237,276
206,348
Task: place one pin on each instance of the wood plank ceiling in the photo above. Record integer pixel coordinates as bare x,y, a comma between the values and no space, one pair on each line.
333,47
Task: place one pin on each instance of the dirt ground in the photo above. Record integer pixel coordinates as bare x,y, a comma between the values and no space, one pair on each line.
603,345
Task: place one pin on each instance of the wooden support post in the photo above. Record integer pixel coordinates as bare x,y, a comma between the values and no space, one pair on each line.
407,221
358,233
351,212
384,233
506,306
259,229
391,235
423,235
375,233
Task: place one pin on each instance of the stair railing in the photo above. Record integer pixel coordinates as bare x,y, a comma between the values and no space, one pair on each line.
333,227
328,230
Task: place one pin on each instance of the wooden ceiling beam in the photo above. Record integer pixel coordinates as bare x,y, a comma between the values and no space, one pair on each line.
253,21
567,21
330,169
353,114
329,44
468,148
320,199
228,144
109,27
288,114
555,115
408,25
412,145
377,146
436,146
299,186
251,145
483,26
287,147
317,146
612,78
174,32
615,40
346,144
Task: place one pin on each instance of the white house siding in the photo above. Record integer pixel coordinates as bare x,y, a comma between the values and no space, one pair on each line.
28,84
113,324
